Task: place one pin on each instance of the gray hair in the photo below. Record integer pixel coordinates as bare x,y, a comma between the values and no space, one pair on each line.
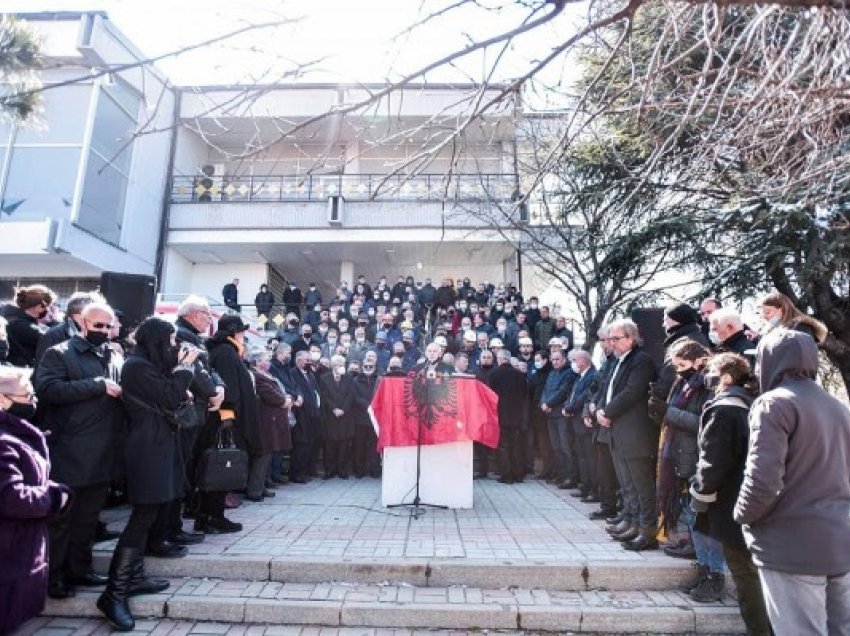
503,356
337,361
282,347
78,301
258,354
628,327
580,354
726,316
192,303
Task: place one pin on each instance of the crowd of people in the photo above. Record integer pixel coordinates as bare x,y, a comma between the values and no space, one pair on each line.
727,452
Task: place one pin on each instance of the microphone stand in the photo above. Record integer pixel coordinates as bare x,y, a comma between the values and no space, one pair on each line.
418,506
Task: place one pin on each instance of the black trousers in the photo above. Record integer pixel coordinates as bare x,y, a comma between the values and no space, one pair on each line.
366,458
142,519
481,458
206,504
512,452
606,477
304,441
585,457
750,596
338,456
72,535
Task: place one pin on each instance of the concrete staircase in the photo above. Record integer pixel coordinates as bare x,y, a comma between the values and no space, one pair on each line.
593,597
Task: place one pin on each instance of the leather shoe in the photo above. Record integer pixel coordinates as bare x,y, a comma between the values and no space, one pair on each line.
624,525
684,550
590,498
600,514
187,538
269,493
628,535
59,589
615,518
570,483
91,579
167,550
297,480
640,544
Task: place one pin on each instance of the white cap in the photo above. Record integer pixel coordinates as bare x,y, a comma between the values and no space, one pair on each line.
556,342
441,340
469,336
526,341
497,342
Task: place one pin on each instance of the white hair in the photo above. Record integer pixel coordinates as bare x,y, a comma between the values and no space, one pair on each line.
580,354
88,310
628,327
726,316
192,303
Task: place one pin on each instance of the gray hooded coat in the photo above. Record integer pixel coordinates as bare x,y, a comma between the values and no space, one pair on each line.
795,498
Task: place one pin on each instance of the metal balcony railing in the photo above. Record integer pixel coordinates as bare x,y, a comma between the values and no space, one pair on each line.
352,187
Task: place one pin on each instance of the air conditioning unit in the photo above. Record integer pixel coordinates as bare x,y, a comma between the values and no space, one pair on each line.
210,181
335,202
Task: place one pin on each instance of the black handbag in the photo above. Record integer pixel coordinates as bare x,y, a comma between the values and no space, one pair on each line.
222,468
184,417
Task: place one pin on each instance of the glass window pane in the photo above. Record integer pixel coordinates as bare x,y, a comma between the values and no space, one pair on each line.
113,133
41,183
102,204
63,120
125,96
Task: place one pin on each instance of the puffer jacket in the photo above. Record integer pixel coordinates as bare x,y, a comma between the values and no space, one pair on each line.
795,498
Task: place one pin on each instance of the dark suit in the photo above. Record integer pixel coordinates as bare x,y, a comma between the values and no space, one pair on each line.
583,448
338,432
305,435
512,388
634,437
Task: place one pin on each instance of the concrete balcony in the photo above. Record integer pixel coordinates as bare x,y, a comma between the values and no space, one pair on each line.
335,201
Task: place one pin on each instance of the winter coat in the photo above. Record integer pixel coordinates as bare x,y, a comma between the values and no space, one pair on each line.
274,416
82,419
205,380
264,301
239,393
54,336
581,394
599,389
723,439
308,388
337,394
24,334
544,331
153,455
795,498
667,373
557,389
28,500
633,434
685,420
446,296
364,386
512,388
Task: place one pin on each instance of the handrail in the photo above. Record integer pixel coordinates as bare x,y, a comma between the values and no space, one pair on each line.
352,187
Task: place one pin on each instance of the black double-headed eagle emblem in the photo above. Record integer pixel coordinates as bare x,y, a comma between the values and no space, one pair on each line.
429,396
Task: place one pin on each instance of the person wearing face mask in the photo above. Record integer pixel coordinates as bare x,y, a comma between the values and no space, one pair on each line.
367,462
330,342
382,350
728,333
581,363
306,432
28,499
305,341
78,391
777,310
512,388
293,298
677,458
312,296
70,326
23,330
264,302
722,445
274,404
337,393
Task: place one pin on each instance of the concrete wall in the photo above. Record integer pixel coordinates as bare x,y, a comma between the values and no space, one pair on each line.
183,277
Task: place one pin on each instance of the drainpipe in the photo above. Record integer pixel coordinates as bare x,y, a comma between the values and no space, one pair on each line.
166,195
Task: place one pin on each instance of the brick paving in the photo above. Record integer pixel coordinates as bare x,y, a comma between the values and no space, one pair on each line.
338,519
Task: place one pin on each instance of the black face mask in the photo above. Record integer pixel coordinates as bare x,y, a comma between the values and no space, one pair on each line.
4,349
97,338
687,373
42,314
711,382
172,358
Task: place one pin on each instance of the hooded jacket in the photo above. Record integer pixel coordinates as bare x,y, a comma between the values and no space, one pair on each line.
795,497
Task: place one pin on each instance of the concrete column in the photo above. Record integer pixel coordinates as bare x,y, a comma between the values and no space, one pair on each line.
346,273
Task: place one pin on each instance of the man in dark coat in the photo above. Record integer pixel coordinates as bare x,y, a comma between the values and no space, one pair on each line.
337,393
634,436
77,388
307,419
606,475
264,302
28,500
544,329
366,458
512,388
71,325
226,349
207,388
581,364
728,333
293,298
230,294
555,392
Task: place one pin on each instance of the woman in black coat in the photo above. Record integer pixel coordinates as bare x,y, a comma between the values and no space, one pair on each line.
154,381
723,445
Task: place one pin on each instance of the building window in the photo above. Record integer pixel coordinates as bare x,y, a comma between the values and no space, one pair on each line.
108,167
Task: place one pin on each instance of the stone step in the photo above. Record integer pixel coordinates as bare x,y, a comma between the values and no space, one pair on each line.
347,605
648,575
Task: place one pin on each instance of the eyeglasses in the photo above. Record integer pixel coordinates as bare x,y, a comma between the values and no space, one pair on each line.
101,325
617,338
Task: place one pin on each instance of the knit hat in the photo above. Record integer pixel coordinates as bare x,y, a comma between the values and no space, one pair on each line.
682,313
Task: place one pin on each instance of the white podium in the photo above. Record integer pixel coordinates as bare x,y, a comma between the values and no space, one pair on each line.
445,476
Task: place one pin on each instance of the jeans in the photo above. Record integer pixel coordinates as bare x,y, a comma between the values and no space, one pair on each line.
709,550
807,604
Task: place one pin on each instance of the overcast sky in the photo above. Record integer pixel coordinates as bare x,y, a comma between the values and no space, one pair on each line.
355,41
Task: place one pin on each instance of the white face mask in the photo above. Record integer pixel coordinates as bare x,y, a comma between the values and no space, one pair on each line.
575,368
340,371
539,364
315,355
715,339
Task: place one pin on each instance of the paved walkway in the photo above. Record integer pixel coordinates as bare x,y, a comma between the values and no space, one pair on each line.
338,519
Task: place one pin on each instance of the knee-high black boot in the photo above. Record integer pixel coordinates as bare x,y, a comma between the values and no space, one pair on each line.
113,601
140,583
